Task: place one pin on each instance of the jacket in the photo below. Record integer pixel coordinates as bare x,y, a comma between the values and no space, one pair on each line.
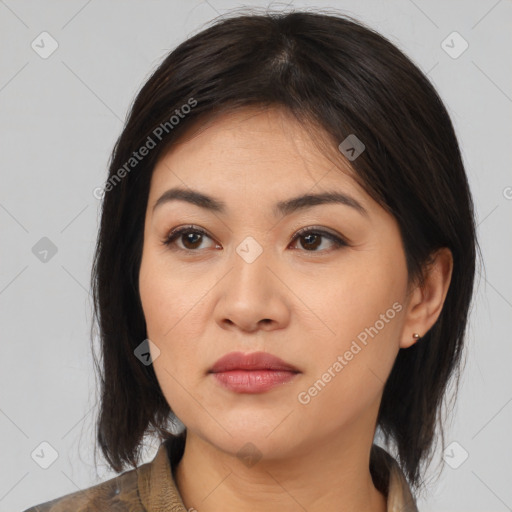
151,488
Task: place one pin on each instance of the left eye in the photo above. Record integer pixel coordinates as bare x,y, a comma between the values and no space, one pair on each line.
313,236
191,239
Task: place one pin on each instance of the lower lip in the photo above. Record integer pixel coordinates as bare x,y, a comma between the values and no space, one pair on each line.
253,381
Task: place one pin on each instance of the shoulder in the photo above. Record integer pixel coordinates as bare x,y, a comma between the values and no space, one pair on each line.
119,493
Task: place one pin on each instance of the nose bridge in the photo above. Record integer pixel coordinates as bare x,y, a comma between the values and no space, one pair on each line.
250,262
251,295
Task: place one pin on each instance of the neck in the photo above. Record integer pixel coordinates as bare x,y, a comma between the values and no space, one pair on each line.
312,479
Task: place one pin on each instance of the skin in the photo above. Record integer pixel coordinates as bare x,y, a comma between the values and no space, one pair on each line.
304,301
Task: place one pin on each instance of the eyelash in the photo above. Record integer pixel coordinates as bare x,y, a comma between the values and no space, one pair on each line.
170,240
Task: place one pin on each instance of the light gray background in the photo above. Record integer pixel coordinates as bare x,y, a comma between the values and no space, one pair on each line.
59,119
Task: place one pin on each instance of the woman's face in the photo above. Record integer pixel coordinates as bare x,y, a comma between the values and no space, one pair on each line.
335,311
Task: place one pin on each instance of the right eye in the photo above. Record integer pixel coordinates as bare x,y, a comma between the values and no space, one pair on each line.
190,236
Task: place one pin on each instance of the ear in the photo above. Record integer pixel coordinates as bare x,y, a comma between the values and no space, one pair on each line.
427,299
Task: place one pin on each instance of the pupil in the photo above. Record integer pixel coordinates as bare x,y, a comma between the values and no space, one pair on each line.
188,238
308,240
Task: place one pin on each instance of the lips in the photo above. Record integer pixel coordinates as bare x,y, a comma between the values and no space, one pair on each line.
252,361
257,372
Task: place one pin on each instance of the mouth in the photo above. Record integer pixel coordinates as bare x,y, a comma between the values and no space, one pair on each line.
255,372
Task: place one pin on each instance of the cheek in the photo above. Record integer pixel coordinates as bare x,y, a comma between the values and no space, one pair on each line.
165,309
361,316
169,297
360,298
174,310
348,374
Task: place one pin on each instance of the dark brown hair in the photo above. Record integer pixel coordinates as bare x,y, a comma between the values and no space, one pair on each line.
337,77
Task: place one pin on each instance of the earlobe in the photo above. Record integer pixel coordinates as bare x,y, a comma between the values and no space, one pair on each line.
428,298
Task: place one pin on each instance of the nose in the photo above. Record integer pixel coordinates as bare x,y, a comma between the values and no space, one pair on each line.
253,296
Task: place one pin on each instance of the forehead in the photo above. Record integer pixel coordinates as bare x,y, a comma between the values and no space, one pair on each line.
261,150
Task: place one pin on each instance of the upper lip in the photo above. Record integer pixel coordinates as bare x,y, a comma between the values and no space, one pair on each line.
251,361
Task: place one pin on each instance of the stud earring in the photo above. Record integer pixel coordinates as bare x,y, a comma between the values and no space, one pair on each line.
416,336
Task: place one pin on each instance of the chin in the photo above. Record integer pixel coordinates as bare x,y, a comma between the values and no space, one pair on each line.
251,437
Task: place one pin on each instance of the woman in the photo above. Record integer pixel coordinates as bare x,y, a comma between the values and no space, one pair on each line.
284,270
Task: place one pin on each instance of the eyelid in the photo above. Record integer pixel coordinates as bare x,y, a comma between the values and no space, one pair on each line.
320,231
187,227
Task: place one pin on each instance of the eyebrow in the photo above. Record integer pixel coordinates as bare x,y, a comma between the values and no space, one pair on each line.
281,208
